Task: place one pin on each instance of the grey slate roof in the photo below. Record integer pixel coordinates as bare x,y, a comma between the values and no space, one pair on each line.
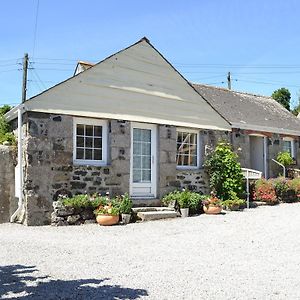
249,111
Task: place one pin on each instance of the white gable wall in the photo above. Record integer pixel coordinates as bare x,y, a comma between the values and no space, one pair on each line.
136,84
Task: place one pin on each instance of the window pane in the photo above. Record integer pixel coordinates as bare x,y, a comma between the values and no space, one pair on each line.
97,143
146,162
186,149
98,131
136,134
146,175
146,148
88,154
79,153
88,142
137,148
80,129
80,141
89,130
137,176
146,135
97,154
137,164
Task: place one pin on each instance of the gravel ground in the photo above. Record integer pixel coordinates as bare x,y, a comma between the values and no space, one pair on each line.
253,254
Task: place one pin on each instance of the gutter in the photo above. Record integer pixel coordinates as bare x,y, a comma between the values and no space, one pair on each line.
17,215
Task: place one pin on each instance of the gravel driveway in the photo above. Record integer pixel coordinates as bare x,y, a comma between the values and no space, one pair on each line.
253,254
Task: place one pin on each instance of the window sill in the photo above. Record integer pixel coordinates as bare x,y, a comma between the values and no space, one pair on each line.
183,168
90,163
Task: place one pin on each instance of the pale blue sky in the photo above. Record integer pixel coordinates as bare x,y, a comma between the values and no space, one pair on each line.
258,41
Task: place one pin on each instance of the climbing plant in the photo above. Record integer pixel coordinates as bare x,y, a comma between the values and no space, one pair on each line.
224,170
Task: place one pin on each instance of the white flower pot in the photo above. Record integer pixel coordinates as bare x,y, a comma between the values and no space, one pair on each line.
184,212
126,218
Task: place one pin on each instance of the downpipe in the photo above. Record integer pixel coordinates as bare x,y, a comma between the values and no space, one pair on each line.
16,216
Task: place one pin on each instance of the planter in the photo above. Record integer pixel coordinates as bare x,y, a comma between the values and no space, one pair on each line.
107,220
212,210
184,212
126,218
233,207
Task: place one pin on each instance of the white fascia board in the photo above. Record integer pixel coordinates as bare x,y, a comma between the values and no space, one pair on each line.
132,118
266,129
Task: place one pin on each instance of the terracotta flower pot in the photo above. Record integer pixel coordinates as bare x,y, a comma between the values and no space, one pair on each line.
212,210
107,220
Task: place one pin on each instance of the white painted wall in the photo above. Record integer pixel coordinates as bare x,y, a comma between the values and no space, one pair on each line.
136,84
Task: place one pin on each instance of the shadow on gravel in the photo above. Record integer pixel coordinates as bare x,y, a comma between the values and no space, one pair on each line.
17,281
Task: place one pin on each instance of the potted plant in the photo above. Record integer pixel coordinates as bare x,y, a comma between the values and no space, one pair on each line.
125,208
107,214
212,205
234,205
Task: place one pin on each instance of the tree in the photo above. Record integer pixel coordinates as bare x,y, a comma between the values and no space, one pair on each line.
296,109
282,96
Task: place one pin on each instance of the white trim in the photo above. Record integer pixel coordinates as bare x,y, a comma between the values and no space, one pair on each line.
153,184
95,122
293,148
189,130
265,128
266,173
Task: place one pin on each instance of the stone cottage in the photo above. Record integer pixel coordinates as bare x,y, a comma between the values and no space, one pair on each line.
261,127
130,123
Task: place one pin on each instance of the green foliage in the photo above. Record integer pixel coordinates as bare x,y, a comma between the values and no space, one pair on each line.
265,191
286,190
111,208
125,204
185,199
5,129
84,201
232,204
284,158
282,96
224,171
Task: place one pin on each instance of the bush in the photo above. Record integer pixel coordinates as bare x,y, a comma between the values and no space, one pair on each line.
125,204
295,186
185,199
84,201
284,158
225,172
284,189
265,191
5,129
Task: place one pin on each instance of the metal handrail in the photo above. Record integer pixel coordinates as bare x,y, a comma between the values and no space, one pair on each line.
281,165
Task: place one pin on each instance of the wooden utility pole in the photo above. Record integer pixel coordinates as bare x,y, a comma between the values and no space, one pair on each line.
25,69
229,80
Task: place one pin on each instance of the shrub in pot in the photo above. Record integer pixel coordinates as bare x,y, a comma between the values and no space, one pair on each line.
212,205
125,208
234,202
107,214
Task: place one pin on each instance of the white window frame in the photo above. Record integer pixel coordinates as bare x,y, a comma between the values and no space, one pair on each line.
189,130
293,150
95,122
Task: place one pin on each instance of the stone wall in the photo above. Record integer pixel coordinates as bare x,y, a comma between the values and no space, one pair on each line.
8,202
50,170
241,144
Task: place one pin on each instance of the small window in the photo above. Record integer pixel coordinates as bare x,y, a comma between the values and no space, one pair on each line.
187,149
288,146
90,138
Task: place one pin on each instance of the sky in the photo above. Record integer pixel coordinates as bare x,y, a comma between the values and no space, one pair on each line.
257,41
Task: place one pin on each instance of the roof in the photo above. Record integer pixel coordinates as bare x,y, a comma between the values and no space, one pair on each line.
136,84
82,66
250,111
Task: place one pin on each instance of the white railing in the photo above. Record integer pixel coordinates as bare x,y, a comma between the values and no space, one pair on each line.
250,174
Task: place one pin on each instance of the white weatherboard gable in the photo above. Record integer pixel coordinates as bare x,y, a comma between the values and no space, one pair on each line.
136,84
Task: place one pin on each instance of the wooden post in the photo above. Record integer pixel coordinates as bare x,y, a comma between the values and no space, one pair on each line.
25,69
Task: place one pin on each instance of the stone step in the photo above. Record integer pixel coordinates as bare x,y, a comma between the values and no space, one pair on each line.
156,215
151,209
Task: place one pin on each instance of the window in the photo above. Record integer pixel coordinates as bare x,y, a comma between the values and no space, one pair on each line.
288,146
90,141
187,149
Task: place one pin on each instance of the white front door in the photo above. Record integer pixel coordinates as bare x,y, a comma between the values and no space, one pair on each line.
143,161
258,146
